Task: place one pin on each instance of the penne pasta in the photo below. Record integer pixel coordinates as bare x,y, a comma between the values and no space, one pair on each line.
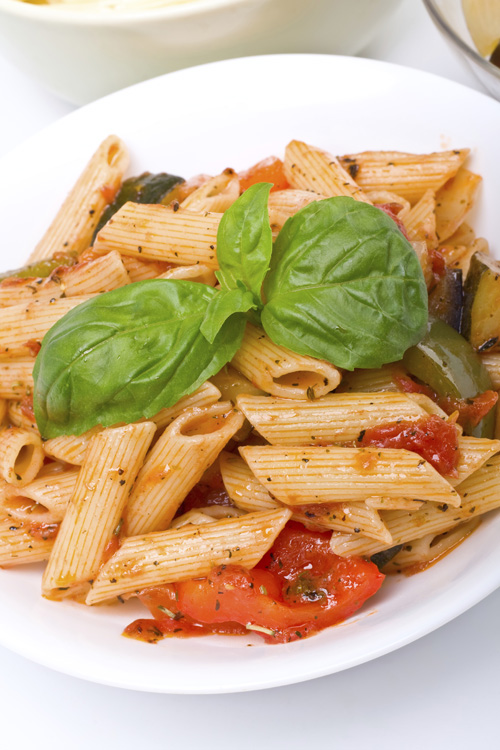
247,493
311,168
418,553
89,277
454,201
216,194
20,414
73,227
189,552
408,175
21,455
49,493
23,541
285,203
202,274
479,493
22,327
176,463
491,360
140,270
279,371
334,418
113,459
16,377
156,232
420,223
300,476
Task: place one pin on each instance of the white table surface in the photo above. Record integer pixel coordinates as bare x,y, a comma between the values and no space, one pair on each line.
440,692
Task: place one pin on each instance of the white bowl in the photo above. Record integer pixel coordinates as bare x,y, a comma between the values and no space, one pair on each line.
83,54
366,107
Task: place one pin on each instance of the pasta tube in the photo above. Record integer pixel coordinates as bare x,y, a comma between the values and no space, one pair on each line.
74,224
113,459
299,476
279,371
190,552
176,463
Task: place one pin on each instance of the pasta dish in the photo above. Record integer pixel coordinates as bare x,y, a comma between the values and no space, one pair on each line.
247,398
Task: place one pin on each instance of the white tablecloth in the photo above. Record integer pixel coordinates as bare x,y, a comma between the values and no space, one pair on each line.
440,692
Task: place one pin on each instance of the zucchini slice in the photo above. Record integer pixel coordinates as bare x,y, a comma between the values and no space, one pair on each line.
481,317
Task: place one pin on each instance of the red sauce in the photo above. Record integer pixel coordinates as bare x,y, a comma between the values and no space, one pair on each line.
431,437
112,546
108,192
210,491
26,408
298,588
438,263
392,210
34,346
43,531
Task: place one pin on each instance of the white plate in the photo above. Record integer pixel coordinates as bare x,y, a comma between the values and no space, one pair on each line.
201,120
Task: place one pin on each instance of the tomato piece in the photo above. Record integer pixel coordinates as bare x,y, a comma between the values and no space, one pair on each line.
470,410
408,385
438,263
298,588
392,210
267,170
431,437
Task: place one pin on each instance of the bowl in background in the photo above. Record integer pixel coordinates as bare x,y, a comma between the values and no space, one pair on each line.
82,54
448,15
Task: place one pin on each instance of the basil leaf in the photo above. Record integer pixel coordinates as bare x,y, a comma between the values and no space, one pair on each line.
221,307
244,241
126,354
345,285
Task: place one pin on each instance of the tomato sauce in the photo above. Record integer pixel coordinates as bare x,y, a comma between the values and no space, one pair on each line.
431,437
43,531
298,588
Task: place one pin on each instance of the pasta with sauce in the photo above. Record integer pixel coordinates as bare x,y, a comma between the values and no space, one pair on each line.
241,505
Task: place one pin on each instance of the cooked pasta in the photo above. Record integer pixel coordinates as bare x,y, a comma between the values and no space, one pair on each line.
259,495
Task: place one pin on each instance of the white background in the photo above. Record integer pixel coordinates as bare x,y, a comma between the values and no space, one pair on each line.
440,692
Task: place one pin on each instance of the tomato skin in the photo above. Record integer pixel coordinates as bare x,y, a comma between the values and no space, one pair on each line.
431,437
470,410
298,588
267,170
392,210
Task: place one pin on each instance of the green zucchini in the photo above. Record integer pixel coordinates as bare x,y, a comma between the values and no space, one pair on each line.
41,268
481,319
446,362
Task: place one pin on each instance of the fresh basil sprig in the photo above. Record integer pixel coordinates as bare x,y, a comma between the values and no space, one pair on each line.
126,354
244,242
345,285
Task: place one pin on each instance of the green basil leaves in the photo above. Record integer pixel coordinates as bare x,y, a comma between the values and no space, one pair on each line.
244,241
126,354
345,285
341,283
